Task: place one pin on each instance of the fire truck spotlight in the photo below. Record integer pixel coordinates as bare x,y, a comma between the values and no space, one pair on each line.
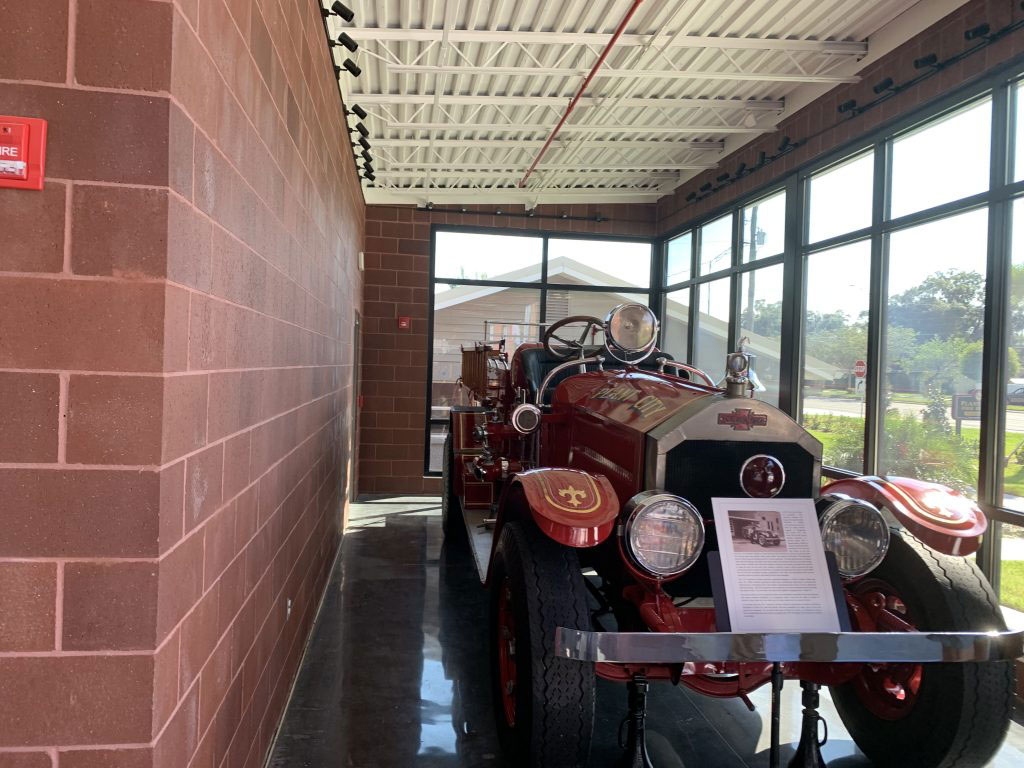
854,531
664,534
526,418
631,327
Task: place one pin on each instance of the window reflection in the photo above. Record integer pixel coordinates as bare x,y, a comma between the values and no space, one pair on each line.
677,259
760,321
712,333
599,262
933,350
716,245
676,324
835,341
764,228
512,258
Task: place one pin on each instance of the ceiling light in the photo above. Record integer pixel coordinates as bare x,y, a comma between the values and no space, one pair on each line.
749,120
359,111
366,156
691,197
931,60
705,187
362,129
784,144
741,168
352,67
723,177
364,143
846,106
885,85
340,9
974,33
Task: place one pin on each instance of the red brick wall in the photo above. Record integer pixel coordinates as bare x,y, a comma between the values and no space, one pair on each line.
175,375
945,38
394,362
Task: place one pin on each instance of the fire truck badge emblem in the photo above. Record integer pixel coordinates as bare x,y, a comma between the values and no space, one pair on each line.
743,419
573,495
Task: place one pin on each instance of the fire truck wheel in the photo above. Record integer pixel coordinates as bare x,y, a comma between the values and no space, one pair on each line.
928,715
451,515
544,706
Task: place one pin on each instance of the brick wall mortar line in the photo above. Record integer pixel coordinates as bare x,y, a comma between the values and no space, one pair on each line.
174,374
70,747
88,88
58,616
62,418
69,189
69,75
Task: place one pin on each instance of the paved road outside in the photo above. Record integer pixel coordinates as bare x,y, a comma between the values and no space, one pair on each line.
843,407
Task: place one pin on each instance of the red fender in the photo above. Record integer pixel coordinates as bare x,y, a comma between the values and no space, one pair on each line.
574,508
941,517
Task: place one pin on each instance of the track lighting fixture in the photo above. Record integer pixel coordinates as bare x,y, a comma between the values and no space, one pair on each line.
366,156
705,187
363,130
784,145
722,177
883,86
340,9
364,143
347,42
358,111
931,60
691,197
846,106
740,169
352,67
974,33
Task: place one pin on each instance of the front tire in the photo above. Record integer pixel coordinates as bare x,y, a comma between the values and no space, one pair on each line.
544,705
929,715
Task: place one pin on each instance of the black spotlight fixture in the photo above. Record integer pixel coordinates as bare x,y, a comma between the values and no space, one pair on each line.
691,197
883,86
369,177
974,33
340,9
358,111
347,42
846,106
722,177
705,187
762,158
784,145
366,156
364,143
931,60
740,169
363,130
352,68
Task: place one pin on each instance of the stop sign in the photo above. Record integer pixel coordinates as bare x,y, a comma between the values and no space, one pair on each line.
860,369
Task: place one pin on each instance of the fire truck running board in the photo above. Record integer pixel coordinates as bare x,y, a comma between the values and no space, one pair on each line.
480,535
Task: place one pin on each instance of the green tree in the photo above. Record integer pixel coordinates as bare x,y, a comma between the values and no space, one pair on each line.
971,363
945,305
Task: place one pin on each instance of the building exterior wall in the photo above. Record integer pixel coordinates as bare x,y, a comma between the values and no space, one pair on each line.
826,130
394,362
176,320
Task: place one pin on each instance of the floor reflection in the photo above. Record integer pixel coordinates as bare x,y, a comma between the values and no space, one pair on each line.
396,674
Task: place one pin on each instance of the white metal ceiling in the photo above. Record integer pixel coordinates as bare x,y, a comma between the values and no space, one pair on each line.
461,94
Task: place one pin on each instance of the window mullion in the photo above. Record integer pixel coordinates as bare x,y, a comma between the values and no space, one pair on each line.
874,412
793,302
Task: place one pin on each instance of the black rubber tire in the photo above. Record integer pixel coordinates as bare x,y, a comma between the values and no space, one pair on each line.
451,512
963,710
554,720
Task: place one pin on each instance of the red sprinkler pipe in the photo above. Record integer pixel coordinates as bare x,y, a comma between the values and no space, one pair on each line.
576,98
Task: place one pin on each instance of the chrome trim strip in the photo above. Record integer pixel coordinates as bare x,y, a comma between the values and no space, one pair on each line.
881,647
582,363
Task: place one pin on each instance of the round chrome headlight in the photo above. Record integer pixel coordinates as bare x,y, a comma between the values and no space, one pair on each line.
664,534
631,327
854,531
525,418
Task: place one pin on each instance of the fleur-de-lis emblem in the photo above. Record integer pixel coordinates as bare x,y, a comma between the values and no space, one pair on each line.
573,495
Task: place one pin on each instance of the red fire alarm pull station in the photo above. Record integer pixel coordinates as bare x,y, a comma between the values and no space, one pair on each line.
22,152
404,323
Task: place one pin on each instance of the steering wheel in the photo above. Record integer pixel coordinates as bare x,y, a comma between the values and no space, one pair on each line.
572,346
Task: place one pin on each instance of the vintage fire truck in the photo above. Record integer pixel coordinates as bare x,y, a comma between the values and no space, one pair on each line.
581,471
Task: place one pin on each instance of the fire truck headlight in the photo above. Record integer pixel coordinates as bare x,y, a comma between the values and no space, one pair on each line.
854,531
664,534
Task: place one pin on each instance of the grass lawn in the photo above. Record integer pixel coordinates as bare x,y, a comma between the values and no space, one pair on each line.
1011,586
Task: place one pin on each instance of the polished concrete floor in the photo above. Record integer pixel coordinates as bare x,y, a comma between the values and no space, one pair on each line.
396,673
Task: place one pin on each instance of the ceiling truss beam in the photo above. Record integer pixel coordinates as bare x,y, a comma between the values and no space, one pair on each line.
519,144
373,99
639,74
677,130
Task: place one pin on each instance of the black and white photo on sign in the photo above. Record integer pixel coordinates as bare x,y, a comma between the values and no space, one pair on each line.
757,530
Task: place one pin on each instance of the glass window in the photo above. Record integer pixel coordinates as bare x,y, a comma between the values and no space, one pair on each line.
438,433
764,228
840,199
1013,476
677,259
760,321
712,334
716,245
946,160
933,349
599,262
472,256
464,314
835,340
676,324
1018,131
562,304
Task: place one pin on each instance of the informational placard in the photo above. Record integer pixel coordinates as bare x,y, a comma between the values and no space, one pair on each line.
774,571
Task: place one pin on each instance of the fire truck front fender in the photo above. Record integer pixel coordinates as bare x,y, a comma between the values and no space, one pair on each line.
575,508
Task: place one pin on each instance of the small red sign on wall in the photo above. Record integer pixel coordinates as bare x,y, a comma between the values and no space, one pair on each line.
22,152
404,323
